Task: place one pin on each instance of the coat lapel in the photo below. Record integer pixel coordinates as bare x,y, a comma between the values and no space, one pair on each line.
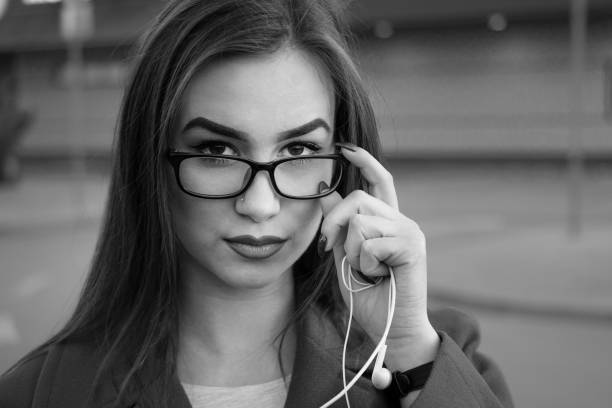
149,388
316,377
317,370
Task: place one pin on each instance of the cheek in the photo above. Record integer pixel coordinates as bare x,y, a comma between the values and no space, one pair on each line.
307,218
196,220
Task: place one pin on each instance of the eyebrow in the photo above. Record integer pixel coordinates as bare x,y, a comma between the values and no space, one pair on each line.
202,122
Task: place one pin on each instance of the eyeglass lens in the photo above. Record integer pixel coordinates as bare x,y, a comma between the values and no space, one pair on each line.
224,176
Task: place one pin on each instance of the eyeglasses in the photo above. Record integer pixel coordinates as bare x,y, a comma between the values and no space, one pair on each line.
218,176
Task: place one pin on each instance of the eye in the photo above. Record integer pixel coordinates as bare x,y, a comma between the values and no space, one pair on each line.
302,148
216,147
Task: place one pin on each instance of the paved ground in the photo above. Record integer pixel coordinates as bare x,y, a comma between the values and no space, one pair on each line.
497,247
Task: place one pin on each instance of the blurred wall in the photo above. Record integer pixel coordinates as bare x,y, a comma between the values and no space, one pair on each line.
439,92
44,85
478,92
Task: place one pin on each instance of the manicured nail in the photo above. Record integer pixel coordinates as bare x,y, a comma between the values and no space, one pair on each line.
323,187
348,146
321,245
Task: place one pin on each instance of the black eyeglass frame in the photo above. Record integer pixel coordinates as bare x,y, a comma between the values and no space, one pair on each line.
176,157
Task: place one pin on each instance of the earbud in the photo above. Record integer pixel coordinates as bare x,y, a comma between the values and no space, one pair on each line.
381,377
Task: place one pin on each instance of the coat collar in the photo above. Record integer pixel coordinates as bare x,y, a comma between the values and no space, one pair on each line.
317,371
316,377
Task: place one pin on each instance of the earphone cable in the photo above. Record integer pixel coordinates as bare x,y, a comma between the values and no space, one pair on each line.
383,339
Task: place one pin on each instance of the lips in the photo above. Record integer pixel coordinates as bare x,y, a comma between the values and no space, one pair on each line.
251,247
251,240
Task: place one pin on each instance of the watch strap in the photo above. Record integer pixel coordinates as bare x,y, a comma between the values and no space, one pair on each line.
403,383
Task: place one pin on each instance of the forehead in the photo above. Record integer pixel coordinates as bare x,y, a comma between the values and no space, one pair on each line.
261,95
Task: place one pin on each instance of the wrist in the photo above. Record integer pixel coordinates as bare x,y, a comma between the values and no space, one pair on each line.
407,352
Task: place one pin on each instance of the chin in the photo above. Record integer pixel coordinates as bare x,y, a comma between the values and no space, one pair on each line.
238,271
256,276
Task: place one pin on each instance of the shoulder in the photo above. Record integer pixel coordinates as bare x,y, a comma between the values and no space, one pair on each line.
462,376
18,384
55,370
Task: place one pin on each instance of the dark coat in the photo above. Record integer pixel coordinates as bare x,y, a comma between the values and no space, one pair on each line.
461,377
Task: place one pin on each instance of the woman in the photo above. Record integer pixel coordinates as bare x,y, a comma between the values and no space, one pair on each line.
246,171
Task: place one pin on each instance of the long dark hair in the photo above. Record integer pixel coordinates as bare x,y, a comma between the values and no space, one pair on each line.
129,303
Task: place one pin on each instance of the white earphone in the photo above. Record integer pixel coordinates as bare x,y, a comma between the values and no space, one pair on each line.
381,377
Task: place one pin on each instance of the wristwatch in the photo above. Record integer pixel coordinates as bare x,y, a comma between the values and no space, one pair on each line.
403,383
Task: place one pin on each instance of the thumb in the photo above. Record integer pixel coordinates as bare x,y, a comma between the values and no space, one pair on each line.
329,202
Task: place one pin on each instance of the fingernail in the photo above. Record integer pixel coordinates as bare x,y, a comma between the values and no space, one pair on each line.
321,245
348,146
323,187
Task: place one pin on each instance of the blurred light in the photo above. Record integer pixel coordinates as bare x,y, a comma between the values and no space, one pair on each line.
3,4
383,29
30,2
497,22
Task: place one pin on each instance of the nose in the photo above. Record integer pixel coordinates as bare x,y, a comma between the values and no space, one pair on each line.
260,201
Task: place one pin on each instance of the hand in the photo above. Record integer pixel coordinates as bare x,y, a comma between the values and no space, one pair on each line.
374,235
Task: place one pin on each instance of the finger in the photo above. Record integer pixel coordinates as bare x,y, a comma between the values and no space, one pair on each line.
376,255
379,178
390,252
329,202
361,228
357,202
369,263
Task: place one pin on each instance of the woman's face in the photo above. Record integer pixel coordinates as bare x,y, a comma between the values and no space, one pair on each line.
247,107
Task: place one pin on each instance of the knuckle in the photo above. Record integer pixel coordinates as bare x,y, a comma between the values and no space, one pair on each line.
366,247
325,229
412,226
379,270
417,240
357,194
353,260
356,220
421,235
374,270
367,268
415,257
387,176
417,231
370,265
352,250
348,248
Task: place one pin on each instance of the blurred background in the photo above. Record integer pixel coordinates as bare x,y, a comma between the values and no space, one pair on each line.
496,121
